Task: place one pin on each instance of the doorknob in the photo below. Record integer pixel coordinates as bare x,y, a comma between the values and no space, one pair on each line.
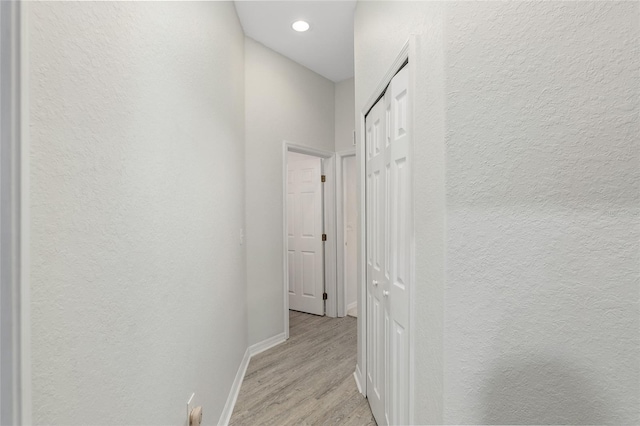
375,283
385,293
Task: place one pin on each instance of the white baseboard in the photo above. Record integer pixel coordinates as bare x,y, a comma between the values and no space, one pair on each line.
357,375
225,417
252,350
255,349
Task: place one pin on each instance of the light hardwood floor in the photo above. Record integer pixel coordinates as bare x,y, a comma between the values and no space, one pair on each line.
307,380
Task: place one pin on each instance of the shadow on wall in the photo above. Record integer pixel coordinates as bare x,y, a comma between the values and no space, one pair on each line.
542,391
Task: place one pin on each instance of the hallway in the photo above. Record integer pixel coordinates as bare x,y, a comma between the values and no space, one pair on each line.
306,380
144,242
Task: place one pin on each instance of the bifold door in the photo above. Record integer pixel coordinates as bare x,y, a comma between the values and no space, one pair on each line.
389,230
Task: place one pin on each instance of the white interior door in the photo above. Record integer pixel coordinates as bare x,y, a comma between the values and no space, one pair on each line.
305,252
375,210
389,230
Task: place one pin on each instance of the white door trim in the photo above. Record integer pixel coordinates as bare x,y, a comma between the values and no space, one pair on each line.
340,266
328,170
408,52
15,365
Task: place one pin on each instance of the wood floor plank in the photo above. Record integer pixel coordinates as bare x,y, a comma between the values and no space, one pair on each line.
307,380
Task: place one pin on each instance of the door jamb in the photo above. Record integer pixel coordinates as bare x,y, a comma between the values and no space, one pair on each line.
407,53
340,240
329,227
15,336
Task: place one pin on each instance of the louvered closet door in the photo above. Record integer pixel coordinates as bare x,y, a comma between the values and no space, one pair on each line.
389,235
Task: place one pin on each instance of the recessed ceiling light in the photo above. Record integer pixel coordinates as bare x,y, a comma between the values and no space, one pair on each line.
300,26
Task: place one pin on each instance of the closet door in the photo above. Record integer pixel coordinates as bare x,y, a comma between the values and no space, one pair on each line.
401,236
389,236
376,249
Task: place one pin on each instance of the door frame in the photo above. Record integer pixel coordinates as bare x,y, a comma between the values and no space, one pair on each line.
15,335
341,283
329,206
407,53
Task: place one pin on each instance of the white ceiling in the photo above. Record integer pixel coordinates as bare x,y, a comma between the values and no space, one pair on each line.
326,48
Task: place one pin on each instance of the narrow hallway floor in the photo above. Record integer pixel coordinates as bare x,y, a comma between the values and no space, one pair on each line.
307,380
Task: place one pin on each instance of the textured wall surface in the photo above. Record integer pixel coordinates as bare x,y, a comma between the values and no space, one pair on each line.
344,114
540,106
284,101
137,154
345,125
350,211
542,318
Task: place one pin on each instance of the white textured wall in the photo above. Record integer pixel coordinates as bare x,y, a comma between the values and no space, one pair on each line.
350,200
345,119
284,101
541,318
137,153
345,125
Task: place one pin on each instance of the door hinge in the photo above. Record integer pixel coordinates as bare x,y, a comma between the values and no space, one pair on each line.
324,296
324,237
323,178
